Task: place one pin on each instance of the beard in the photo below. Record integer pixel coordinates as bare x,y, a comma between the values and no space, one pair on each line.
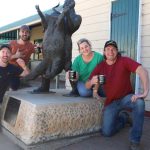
25,38
5,60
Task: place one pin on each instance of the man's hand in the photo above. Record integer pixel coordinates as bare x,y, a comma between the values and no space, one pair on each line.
136,96
94,80
143,74
19,54
21,63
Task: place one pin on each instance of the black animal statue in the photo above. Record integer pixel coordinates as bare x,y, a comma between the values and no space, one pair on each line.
57,43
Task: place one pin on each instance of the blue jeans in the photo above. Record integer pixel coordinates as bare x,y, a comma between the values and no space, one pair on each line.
84,92
113,121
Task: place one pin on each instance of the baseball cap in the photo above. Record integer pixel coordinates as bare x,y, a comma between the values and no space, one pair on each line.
5,46
111,42
25,27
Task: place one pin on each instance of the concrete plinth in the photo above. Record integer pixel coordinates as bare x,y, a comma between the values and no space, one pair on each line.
35,118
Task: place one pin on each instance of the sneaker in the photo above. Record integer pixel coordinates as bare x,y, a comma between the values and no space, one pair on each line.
134,146
71,94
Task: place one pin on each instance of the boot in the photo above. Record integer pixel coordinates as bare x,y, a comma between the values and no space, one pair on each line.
44,88
74,92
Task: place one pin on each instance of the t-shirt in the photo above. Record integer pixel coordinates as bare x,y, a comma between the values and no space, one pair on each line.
6,73
84,69
27,50
117,76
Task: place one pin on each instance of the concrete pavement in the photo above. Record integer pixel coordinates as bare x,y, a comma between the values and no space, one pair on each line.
89,142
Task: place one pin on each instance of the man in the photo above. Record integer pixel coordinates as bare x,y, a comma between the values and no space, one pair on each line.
9,71
23,49
119,93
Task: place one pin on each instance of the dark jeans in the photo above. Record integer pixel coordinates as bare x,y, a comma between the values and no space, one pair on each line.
15,83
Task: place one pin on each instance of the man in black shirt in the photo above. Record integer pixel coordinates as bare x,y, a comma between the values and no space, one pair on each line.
8,71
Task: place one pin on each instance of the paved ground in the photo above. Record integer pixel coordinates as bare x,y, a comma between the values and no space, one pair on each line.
7,144
95,142
117,142
92,142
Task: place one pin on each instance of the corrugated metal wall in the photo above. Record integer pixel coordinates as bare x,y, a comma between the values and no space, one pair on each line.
124,25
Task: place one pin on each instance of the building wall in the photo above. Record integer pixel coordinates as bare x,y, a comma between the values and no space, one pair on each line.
95,25
36,33
145,36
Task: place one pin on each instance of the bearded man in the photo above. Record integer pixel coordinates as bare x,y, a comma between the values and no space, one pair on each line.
21,48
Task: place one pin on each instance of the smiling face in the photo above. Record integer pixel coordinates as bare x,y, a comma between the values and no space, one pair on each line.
5,55
85,49
24,34
111,53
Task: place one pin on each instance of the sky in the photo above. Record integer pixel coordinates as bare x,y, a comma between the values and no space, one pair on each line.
14,10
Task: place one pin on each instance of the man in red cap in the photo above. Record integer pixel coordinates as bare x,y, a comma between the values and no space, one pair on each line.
119,93
21,48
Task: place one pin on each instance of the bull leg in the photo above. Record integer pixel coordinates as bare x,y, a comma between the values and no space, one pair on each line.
44,88
62,15
56,68
43,19
68,66
68,63
45,85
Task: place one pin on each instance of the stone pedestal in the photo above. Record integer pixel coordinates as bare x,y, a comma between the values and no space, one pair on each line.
35,118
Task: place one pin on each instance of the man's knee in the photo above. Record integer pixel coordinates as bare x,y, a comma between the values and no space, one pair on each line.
140,104
84,93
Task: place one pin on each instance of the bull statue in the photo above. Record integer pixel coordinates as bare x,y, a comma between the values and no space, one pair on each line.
57,43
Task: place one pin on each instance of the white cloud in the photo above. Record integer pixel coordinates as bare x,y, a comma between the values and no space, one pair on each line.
13,10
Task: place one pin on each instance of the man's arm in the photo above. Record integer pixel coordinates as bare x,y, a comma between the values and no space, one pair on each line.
18,54
21,63
90,83
143,74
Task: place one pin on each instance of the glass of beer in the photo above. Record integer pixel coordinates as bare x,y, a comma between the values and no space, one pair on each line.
101,79
72,75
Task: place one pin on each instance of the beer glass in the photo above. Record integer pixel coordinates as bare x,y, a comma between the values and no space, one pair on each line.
72,75
101,79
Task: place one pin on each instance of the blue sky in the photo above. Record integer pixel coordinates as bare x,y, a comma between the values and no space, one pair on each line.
14,10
